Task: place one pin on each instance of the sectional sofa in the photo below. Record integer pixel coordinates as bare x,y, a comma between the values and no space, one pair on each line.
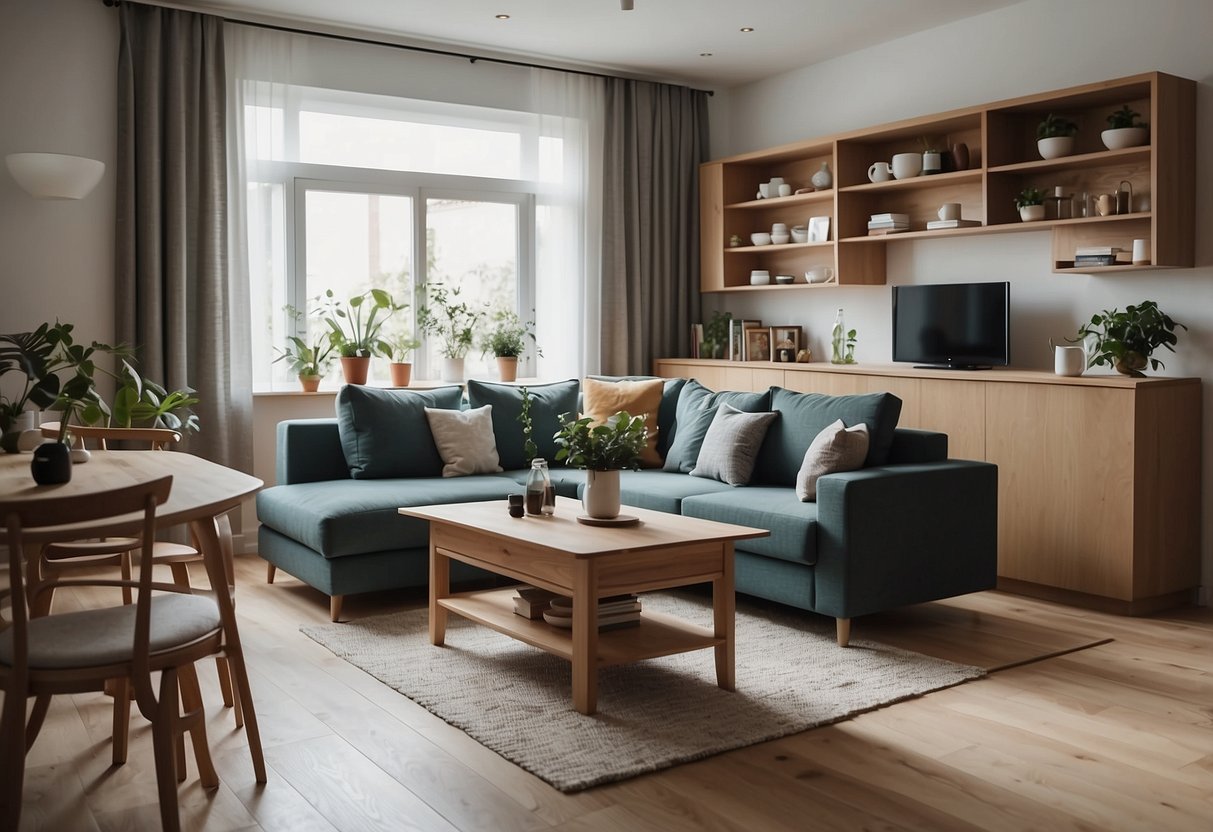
909,525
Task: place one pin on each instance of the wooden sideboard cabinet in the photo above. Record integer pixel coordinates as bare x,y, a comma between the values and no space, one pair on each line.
1099,489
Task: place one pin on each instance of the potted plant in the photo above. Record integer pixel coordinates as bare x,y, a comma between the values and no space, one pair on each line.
454,321
1126,340
308,361
52,462
142,402
603,450
354,329
1124,129
1030,203
715,335
507,341
1055,137
397,351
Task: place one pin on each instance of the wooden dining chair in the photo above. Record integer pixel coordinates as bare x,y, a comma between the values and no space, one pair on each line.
80,651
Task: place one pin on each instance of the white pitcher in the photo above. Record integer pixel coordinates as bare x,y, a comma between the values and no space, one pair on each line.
1068,360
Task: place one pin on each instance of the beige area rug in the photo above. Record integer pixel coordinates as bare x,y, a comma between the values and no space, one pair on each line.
516,699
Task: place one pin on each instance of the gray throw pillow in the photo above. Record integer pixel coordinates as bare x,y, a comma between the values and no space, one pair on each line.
696,410
731,445
384,433
548,401
837,448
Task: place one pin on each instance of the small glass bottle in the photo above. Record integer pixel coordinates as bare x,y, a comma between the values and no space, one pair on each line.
838,340
540,495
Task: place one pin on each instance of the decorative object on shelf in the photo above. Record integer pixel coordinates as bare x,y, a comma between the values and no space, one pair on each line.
907,165
888,223
819,229
960,156
1068,361
757,344
507,342
819,274
1055,137
880,172
850,356
734,241
1124,130
1060,205
779,234
800,233
804,356
838,337
763,190
932,158
760,277
1141,252
785,344
1030,203
1105,205
715,335
785,189
1096,255
761,238
1127,340
737,328
453,321
823,179
785,279
949,211
1124,197
605,448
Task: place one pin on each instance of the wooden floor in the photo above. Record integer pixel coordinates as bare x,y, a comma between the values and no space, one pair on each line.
1112,737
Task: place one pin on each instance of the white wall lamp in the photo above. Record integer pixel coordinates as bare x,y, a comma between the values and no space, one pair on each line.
54,175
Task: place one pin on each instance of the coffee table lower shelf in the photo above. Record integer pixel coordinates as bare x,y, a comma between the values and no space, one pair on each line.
656,635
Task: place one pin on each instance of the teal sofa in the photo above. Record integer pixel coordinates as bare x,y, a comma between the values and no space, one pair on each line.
909,526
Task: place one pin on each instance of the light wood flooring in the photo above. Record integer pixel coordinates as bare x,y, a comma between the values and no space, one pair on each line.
1117,736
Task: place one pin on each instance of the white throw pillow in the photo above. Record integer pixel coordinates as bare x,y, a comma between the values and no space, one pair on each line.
465,440
837,448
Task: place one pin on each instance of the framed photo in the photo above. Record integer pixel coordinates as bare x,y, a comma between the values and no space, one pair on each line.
785,343
737,328
819,229
757,344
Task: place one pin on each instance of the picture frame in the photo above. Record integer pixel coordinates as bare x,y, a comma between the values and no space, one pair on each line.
785,343
758,344
819,229
737,328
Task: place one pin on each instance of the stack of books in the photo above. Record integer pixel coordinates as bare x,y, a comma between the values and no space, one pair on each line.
531,601
1096,255
888,223
613,612
934,224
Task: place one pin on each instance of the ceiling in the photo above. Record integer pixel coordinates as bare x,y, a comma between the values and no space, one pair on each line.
658,39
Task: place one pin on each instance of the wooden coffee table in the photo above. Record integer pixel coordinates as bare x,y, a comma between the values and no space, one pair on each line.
587,563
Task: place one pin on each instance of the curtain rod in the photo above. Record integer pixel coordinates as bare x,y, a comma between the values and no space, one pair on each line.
429,50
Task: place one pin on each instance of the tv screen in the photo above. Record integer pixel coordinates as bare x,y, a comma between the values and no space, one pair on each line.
961,326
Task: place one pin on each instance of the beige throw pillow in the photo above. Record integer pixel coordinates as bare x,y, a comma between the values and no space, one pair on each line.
837,448
603,399
465,440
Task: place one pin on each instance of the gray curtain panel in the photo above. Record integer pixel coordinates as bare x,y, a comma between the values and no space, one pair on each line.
174,300
656,138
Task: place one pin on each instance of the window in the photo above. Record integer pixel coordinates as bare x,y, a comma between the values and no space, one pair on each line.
351,191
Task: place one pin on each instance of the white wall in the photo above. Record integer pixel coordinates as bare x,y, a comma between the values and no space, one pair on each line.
1035,46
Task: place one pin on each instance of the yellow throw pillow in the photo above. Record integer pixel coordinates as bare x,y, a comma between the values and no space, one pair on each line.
603,399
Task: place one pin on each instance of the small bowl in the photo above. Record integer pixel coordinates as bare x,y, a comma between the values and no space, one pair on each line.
781,239
784,279
800,234
760,277
779,228
760,238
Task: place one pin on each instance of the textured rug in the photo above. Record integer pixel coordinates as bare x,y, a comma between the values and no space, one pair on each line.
516,699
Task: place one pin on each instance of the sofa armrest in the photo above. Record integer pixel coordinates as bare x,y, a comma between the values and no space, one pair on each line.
904,534
910,445
309,450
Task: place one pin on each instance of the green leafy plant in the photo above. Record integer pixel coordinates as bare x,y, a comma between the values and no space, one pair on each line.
307,359
450,318
399,348
716,334
529,448
354,326
1029,196
1126,340
507,338
1124,117
850,356
614,445
1054,126
142,402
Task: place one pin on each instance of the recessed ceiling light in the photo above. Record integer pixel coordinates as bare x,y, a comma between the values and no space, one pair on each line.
747,28
705,54
503,17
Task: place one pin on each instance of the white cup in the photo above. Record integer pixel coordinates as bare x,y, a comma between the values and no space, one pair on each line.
785,190
949,211
764,190
819,274
779,228
1069,361
907,165
760,277
760,238
880,172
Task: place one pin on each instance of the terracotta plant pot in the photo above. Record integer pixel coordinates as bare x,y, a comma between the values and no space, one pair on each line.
310,384
507,367
402,373
355,369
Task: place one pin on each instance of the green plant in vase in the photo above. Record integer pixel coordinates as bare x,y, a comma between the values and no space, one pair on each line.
1126,340
354,328
603,450
398,350
715,335
1030,202
507,342
1124,129
451,319
1055,136
309,361
850,356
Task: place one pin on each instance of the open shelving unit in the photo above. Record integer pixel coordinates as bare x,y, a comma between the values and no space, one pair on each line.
1003,159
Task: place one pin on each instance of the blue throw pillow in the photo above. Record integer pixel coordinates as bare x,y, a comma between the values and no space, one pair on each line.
696,409
667,414
384,433
548,401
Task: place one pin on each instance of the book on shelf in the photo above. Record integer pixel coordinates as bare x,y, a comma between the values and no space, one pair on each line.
934,224
878,232
1095,260
696,339
890,218
1082,251
613,611
530,601
889,224
737,328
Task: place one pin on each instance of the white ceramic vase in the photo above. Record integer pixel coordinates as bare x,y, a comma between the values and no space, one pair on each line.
600,499
452,369
1055,147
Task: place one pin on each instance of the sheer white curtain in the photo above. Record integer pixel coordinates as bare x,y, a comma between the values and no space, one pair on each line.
568,258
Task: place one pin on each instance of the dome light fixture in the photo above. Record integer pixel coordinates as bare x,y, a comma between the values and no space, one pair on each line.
54,175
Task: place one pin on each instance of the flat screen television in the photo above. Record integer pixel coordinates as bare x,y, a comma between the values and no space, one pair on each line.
958,326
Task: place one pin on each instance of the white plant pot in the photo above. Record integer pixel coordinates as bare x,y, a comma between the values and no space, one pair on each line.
1031,213
1123,137
452,369
1055,147
600,499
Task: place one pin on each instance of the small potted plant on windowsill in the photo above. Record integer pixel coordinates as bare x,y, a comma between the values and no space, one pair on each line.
453,321
397,351
603,450
354,329
1124,129
507,342
1055,137
1030,203
1126,340
309,362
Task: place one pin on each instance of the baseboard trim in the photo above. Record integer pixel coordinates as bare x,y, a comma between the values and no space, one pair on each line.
1099,603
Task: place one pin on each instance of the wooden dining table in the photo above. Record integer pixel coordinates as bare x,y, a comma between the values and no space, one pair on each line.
202,493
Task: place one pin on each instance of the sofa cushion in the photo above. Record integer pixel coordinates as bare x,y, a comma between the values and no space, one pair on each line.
667,414
663,491
384,433
548,401
465,440
793,524
353,517
804,415
731,445
837,448
696,409
603,399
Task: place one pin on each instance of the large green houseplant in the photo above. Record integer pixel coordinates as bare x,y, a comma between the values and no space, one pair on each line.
603,450
354,328
1126,340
